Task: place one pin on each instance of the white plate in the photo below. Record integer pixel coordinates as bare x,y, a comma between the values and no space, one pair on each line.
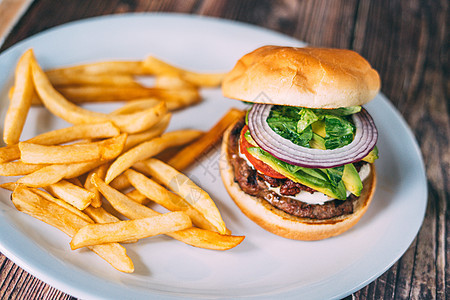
264,265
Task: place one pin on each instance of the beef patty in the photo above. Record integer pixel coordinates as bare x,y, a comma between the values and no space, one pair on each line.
254,183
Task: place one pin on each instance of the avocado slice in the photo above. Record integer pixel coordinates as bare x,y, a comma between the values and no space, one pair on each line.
314,178
351,180
317,142
318,128
249,138
372,156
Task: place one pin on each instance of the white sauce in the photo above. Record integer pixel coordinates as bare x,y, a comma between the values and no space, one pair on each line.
307,197
318,197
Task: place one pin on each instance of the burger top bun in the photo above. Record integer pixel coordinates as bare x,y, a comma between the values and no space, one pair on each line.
306,77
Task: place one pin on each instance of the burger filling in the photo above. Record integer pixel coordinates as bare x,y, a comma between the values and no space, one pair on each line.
307,193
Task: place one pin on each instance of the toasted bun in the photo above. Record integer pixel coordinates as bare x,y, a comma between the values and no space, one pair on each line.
280,223
306,77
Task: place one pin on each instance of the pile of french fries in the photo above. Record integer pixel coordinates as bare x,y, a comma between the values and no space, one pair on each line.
66,175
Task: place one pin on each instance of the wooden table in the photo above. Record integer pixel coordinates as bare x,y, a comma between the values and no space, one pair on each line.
406,41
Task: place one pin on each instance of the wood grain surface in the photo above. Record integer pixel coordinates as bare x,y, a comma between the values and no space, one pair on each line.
405,40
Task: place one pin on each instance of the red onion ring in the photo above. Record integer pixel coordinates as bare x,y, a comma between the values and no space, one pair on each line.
364,141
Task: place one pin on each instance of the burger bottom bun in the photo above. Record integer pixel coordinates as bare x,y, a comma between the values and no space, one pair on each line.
280,223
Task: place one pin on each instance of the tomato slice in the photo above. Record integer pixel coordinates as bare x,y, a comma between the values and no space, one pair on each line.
257,164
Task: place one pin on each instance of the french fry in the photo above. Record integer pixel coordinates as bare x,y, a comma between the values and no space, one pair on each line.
20,101
9,153
101,172
74,153
158,67
149,149
181,185
190,153
140,104
76,181
192,236
97,234
167,199
137,138
71,193
172,82
61,136
74,114
34,98
136,196
80,78
121,182
17,168
62,203
77,132
100,215
102,68
135,105
12,185
68,222
53,173
82,94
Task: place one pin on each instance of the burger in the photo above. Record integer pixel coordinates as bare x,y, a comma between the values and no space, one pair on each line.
300,164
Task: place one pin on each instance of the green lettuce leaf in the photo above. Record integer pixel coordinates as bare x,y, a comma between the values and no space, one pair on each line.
294,124
340,112
284,121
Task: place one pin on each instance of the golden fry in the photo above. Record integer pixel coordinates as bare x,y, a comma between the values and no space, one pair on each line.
159,67
101,172
120,183
100,215
102,68
74,114
181,185
17,168
76,132
71,193
97,234
192,236
64,135
53,173
91,93
79,78
76,181
61,136
20,101
10,186
136,196
62,203
9,153
57,216
190,153
167,199
172,82
149,149
74,153
138,105
135,105
137,138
